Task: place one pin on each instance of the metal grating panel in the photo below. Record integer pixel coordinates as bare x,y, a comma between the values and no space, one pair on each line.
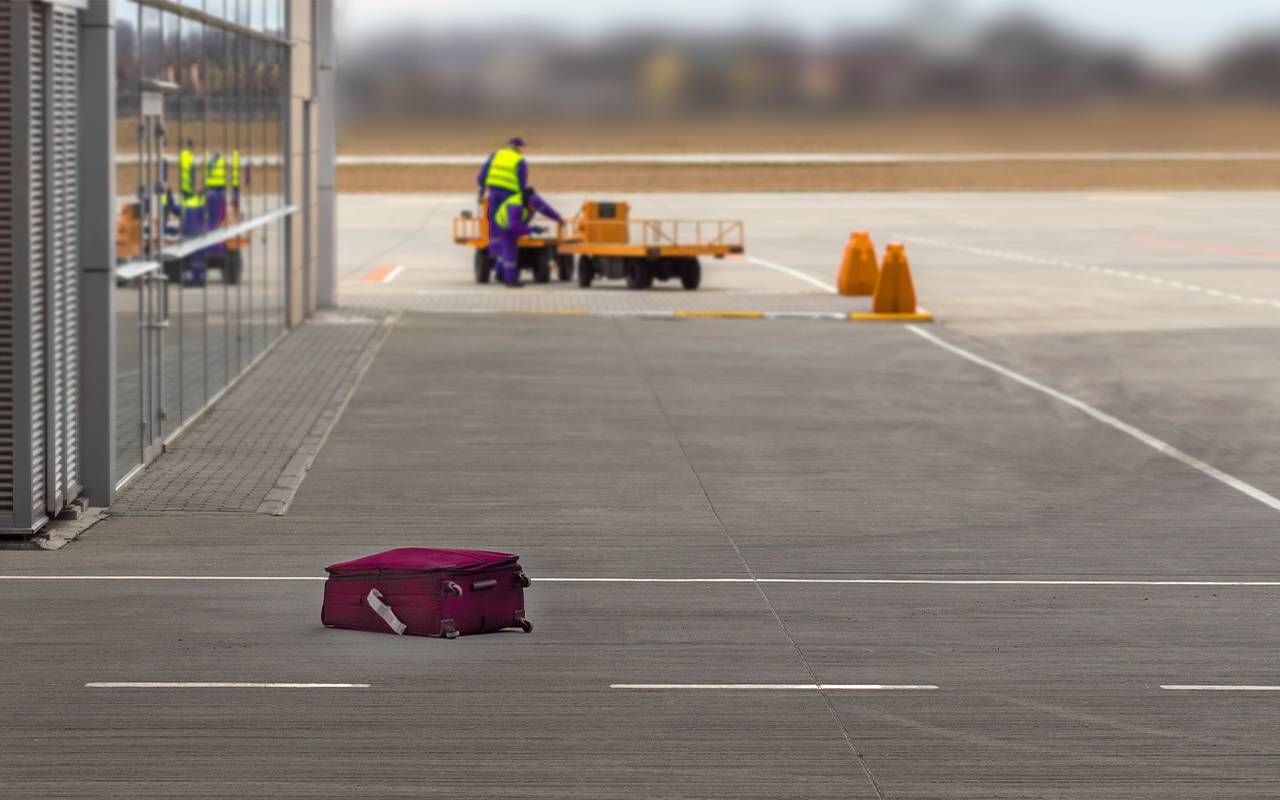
38,254
62,275
8,267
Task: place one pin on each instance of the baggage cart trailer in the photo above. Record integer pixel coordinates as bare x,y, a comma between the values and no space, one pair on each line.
609,244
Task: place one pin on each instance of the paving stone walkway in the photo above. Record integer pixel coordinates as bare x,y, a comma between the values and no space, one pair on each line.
250,451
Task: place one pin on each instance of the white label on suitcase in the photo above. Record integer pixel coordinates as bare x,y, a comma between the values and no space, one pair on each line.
383,610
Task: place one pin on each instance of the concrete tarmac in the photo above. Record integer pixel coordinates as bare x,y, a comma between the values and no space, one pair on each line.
1048,573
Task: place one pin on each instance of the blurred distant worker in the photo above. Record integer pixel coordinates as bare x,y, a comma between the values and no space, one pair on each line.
505,175
192,202
235,181
187,172
215,184
512,221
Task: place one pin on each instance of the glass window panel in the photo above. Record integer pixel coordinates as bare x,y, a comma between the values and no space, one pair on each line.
171,401
216,256
128,152
195,389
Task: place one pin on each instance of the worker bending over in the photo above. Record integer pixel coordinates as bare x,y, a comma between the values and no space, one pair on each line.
511,222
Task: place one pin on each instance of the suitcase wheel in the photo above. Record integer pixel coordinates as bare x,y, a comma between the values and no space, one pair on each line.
525,625
451,589
520,579
447,629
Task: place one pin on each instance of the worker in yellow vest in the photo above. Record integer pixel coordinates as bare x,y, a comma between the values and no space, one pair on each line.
186,172
215,184
504,177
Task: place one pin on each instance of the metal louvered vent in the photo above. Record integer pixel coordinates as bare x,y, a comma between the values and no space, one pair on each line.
62,278
8,257
38,250
39,262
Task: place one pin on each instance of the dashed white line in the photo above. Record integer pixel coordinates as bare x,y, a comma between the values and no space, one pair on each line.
1106,419
218,685
393,274
1063,582
776,687
1184,687
1118,273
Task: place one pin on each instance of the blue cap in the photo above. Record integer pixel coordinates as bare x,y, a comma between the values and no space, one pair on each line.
516,141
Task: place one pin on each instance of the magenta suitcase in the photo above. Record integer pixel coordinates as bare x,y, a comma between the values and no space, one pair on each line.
426,591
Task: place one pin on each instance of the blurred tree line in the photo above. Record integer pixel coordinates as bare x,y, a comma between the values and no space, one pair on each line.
1015,61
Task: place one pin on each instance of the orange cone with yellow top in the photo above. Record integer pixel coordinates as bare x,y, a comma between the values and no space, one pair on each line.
858,269
895,292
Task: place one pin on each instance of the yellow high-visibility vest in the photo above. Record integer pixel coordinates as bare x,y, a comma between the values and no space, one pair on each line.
186,172
504,170
235,169
513,204
215,176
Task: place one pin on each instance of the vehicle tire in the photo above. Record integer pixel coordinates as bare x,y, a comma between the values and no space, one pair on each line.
564,265
231,268
639,276
586,271
542,266
691,275
483,265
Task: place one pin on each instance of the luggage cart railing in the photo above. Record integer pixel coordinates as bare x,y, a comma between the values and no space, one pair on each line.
656,234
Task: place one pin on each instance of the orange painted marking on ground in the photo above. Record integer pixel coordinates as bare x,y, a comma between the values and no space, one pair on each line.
379,274
1219,249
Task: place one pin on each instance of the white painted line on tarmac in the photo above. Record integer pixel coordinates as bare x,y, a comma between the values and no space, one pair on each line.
1065,582
393,274
775,687
795,273
1182,687
924,582
218,685
1073,265
1106,419
162,577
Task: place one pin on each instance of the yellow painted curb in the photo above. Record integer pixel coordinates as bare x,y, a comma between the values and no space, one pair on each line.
694,314
919,316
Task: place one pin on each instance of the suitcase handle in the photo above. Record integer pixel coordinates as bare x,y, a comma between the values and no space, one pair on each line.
479,586
450,589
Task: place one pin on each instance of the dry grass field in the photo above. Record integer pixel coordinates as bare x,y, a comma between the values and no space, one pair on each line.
1102,129
1097,130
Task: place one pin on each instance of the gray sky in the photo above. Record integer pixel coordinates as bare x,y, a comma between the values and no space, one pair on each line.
1170,30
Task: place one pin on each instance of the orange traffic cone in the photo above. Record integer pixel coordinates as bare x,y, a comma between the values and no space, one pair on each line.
895,291
858,268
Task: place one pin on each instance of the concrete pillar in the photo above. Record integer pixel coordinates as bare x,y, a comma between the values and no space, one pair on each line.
326,169
97,251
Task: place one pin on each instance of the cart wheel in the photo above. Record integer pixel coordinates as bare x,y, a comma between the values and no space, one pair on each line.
640,276
586,271
173,270
691,275
525,625
564,265
542,267
484,265
231,268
